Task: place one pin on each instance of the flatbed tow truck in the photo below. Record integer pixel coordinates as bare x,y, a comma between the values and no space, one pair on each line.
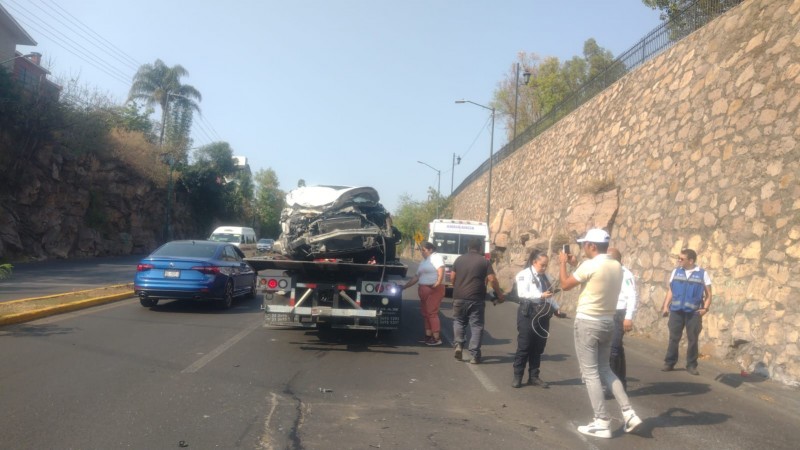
329,293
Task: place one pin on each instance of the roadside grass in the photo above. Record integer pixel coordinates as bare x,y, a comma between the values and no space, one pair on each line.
24,305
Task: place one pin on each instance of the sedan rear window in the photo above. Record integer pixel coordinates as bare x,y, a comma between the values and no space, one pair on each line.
190,249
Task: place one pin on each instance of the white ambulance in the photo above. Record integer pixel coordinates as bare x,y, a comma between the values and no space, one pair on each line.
451,237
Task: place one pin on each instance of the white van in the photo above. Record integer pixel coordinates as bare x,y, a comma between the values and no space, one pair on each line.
451,237
242,237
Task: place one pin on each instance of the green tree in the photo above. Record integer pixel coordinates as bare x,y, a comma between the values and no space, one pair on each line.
702,11
414,216
269,202
549,83
131,117
159,84
211,197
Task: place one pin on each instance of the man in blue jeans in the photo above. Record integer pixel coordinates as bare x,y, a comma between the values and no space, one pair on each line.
601,279
470,274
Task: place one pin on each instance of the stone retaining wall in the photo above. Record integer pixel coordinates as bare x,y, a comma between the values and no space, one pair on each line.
697,148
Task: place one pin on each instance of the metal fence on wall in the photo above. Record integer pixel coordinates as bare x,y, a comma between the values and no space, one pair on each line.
656,41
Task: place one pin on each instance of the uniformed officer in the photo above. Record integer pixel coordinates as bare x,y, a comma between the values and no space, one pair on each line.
536,306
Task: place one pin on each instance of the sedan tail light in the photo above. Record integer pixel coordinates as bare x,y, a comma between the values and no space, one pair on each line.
208,270
143,267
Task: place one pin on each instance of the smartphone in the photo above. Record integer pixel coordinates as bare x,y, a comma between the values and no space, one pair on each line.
565,248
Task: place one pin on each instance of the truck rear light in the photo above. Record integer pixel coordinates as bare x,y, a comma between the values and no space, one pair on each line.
378,288
274,283
488,256
143,267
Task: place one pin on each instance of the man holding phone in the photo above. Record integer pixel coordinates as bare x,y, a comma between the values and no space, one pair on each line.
601,279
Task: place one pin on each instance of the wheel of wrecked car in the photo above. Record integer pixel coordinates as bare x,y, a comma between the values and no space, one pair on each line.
147,302
227,298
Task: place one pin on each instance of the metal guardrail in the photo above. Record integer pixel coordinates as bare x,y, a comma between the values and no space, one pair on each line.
690,19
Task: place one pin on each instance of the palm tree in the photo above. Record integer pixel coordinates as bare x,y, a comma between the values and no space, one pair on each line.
159,84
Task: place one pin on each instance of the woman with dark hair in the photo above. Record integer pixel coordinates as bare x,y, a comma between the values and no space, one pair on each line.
536,306
430,275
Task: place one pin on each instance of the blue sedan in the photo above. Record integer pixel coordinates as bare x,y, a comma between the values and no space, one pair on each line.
196,270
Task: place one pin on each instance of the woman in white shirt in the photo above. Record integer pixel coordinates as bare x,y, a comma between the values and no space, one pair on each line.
430,275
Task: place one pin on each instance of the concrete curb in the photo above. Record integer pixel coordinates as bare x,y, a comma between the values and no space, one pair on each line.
60,309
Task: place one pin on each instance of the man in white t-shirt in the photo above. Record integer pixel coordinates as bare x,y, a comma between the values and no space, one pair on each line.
600,278
623,320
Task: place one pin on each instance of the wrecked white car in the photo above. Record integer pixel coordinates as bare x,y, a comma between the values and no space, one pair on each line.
337,222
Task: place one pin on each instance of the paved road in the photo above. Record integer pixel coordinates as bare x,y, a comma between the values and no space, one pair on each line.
58,276
124,376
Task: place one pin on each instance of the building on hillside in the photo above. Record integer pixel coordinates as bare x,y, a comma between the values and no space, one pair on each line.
240,163
11,35
26,69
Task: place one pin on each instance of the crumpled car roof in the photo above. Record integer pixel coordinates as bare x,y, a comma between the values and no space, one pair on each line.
331,197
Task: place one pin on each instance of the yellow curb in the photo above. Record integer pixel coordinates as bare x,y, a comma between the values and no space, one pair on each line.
21,300
59,309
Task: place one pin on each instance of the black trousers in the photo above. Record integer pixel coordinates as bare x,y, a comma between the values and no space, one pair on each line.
531,340
617,361
678,321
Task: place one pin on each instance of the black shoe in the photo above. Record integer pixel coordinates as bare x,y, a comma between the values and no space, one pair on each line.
536,381
608,395
693,370
517,383
667,368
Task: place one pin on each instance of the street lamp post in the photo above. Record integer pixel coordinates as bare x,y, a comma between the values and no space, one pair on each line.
456,160
526,77
491,157
438,185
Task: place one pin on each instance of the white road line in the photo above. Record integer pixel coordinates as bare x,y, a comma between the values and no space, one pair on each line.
487,384
200,363
484,380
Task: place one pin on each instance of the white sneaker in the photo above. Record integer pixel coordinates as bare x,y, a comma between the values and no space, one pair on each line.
598,428
632,421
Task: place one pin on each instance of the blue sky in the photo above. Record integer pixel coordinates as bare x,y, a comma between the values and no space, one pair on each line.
346,92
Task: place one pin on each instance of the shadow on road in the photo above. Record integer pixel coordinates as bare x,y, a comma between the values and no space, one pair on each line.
240,306
27,330
353,341
680,417
675,389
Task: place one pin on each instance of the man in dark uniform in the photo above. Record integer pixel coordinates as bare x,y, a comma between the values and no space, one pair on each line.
470,274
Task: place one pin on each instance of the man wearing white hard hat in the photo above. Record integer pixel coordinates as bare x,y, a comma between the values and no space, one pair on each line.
600,277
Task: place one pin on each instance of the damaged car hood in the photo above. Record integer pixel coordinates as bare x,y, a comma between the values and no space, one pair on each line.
341,222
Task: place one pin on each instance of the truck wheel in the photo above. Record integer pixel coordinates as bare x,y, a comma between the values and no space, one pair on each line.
227,299
147,302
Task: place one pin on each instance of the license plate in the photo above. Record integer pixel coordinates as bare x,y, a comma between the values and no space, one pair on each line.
172,274
278,317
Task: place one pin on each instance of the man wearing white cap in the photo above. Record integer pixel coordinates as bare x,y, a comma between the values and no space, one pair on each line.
601,279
